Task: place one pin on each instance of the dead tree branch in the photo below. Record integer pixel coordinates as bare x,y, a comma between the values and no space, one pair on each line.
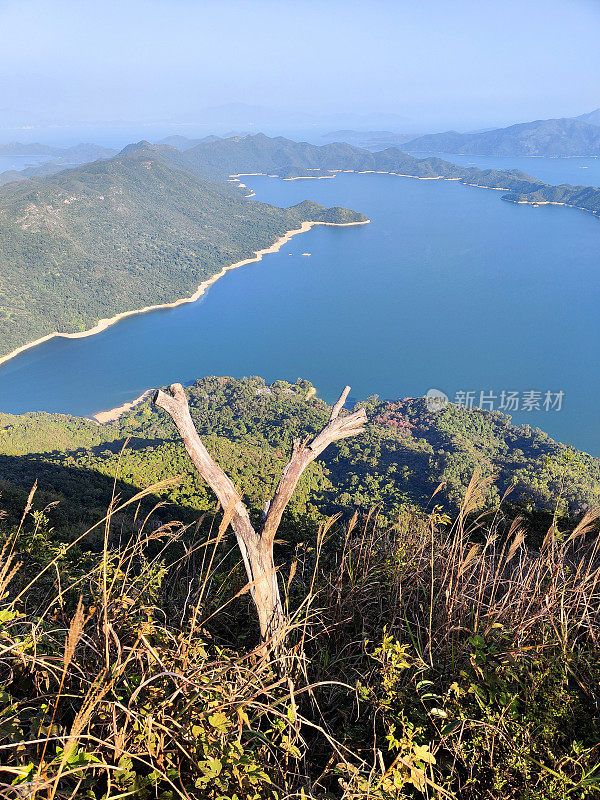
256,546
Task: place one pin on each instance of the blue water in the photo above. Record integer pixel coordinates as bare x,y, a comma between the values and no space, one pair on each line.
448,287
21,162
576,171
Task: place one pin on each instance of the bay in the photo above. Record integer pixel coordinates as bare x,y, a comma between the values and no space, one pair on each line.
21,162
448,287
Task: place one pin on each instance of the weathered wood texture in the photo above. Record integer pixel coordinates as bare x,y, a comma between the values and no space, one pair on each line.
256,546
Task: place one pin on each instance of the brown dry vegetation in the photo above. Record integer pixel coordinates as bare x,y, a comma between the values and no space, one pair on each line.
426,658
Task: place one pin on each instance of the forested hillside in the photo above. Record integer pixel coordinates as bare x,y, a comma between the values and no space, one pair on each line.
406,453
120,234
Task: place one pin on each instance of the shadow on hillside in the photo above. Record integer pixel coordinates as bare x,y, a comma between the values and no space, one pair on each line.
80,496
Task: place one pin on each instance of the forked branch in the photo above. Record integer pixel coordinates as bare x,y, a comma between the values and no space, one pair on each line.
257,546
303,453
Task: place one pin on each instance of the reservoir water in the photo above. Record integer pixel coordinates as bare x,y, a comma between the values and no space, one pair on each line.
448,287
576,171
21,162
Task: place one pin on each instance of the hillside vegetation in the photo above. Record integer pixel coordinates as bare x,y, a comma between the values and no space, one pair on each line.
426,655
399,463
120,234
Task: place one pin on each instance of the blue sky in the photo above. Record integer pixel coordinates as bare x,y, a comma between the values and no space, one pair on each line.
437,64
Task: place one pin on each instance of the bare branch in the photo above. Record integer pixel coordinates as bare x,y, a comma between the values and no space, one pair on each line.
176,405
257,547
339,428
340,403
303,454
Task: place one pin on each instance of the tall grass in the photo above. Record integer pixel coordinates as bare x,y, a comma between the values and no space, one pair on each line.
425,658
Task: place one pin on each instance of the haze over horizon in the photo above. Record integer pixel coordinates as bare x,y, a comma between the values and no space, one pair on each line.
212,66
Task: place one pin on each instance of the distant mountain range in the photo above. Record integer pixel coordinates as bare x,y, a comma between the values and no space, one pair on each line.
31,149
593,117
371,140
37,149
578,136
183,143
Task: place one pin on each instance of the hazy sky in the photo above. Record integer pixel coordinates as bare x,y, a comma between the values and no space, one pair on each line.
435,62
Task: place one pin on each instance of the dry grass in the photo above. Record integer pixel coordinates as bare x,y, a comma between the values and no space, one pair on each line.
121,683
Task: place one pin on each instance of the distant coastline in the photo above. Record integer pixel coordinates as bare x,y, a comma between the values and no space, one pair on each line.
336,172
103,324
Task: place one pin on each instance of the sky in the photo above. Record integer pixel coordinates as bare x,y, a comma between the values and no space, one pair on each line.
418,66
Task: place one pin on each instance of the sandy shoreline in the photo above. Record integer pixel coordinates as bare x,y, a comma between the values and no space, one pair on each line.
336,172
114,413
536,203
103,324
309,178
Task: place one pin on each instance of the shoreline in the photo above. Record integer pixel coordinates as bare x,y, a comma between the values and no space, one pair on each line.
336,172
103,324
537,203
113,414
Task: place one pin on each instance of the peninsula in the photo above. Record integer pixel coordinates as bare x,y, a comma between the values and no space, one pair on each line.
88,245
155,225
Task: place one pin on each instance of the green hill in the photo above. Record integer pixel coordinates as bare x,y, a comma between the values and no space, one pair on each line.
586,198
260,153
405,454
119,234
